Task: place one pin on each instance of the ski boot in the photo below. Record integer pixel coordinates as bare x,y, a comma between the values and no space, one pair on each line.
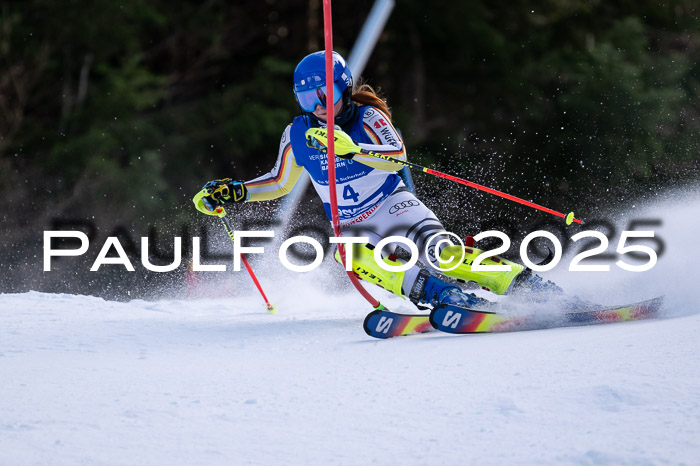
426,289
498,282
519,279
528,282
429,289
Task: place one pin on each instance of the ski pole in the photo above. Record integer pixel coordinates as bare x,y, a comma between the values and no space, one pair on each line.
569,218
229,231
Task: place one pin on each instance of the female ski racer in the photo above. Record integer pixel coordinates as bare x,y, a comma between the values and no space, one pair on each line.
372,199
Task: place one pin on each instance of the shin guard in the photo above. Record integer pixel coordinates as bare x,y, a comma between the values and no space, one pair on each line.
366,268
498,282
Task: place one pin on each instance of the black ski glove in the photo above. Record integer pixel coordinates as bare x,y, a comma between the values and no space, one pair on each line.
224,191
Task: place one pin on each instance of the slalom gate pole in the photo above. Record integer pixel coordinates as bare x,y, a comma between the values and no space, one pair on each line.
229,231
568,217
330,123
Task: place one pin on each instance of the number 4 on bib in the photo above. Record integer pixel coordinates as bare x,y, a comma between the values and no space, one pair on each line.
349,193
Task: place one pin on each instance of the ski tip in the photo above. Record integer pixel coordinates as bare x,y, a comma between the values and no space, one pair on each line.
657,302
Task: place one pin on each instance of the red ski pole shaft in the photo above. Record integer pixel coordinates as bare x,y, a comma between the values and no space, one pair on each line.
229,231
255,280
471,184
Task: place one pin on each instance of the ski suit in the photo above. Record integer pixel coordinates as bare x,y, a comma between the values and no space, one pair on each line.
372,199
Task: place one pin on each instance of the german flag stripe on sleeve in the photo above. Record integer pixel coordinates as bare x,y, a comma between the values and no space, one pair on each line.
284,169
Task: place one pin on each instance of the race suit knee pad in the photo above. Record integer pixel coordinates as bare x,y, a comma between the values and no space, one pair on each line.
366,268
498,282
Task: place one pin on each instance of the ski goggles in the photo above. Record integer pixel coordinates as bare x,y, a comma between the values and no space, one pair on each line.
309,99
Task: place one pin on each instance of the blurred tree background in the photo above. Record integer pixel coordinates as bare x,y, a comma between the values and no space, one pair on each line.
118,112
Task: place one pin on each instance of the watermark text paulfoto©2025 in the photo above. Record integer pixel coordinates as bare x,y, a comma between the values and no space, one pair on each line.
434,243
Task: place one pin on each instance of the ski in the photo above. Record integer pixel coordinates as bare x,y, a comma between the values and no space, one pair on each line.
387,324
453,319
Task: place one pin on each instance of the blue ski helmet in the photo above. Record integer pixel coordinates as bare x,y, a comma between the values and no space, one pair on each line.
310,80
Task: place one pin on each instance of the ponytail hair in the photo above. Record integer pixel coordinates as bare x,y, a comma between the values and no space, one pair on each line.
364,94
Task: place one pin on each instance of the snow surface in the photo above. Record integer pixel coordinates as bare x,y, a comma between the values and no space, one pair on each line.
88,381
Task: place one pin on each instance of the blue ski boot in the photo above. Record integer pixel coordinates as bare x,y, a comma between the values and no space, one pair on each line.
535,286
429,289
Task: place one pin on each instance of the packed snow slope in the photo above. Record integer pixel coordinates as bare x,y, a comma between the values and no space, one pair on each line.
219,381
